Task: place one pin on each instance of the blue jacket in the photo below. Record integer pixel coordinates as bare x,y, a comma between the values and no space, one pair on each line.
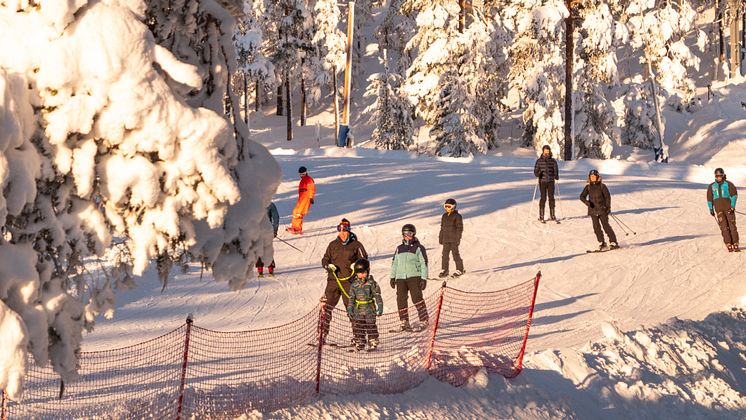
274,216
721,196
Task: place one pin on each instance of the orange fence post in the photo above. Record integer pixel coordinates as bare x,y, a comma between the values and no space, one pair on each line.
519,362
435,326
320,345
189,322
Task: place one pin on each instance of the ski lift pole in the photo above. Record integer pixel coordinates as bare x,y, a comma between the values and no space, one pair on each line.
344,129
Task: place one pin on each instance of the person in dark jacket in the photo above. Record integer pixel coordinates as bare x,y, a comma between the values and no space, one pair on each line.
721,199
274,218
408,276
596,196
545,169
451,229
338,262
364,305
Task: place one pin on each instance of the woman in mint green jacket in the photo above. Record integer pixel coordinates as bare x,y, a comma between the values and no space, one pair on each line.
408,276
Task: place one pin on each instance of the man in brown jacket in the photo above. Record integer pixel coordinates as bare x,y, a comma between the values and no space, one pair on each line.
338,259
451,229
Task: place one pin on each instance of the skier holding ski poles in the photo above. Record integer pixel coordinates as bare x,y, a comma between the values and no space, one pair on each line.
721,199
596,196
338,261
547,172
274,218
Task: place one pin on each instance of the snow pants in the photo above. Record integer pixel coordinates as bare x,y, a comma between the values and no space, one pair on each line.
546,189
727,222
332,295
364,327
452,247
602,220
410,286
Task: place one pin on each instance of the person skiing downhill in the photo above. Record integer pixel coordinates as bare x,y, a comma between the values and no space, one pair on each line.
451,229
338,261
364,305
306,192
546,170
596,196
274,218
408,276
721,199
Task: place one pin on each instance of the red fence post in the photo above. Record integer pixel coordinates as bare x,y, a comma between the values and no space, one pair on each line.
435,326
519,362
5,406
189,322
320,345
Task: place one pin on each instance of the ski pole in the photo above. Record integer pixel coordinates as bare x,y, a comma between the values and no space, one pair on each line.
533,198
620,225
740,212
624,225
288,244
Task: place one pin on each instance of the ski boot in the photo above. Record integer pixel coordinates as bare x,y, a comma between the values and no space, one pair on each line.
602,247
260,276
372,344
271,274
730,247
613,245
736,248
551,215
359,345
405,326
443,274
458,273
541,216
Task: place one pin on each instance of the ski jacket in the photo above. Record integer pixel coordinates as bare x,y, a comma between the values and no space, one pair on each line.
451,228
365,297
410,260
546,169
722,196
274,217
598,194
343,255
306,191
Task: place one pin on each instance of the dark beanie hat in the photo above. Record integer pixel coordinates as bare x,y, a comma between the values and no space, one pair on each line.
302,170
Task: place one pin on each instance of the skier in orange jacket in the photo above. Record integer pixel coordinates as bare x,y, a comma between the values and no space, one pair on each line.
306,191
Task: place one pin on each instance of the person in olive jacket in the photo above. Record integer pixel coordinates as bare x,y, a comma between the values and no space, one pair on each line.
545,169
596,196
451,229
721,199
409,274
338,261
364,305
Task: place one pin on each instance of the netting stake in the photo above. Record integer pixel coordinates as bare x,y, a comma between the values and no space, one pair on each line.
519,362
189,322
5,406
435,326
320,345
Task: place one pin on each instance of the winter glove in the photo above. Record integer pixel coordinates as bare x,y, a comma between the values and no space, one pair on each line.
712,212
380,311
393,283
332,268
312,201
541,174
591,205
732,210
350,312
423,284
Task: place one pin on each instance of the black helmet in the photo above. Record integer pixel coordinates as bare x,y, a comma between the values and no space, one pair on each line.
451,201
361,266
593,172
302,170
409,228
719,171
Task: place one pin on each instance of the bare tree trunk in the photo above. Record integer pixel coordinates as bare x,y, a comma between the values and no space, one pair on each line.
245,98
258,98
569,57
658,120
719,19
735,52
743,37
302,95
280,108
461,16
289,105
335,99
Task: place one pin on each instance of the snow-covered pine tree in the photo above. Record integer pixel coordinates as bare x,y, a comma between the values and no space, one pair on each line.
253,67
397,28
538,70
660,32
595,127
638,122
108,129
391,112
456,128
330,42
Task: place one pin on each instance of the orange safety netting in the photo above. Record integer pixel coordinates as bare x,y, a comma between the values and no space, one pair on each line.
196,372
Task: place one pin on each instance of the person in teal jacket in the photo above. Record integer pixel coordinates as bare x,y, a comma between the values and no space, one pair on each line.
408,276
721,199
364,305
274,218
